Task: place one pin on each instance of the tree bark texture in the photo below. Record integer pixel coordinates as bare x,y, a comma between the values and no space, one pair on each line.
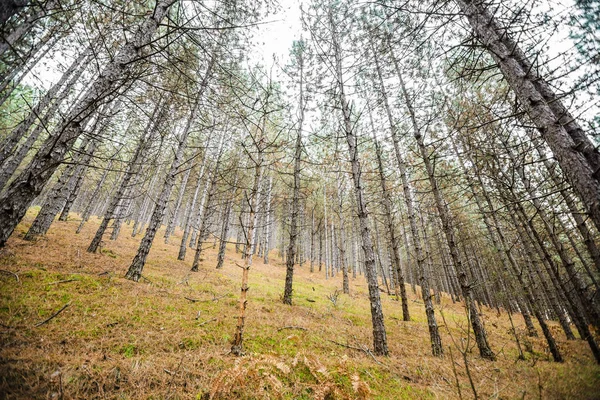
19,195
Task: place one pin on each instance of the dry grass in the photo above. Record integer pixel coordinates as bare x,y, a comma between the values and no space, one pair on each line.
120,339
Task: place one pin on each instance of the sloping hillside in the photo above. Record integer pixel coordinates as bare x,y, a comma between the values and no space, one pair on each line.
168,336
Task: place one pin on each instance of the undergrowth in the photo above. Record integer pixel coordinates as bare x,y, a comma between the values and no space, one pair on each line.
169,335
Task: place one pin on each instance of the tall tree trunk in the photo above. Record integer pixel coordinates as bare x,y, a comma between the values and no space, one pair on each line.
19,195
173,218
10,40
379,258
389,220
13,138
64,214
407,250
206,206
444,213
226,222
292,246
88,208
436,341
379,334
132,170
267,244
312,240
135,269
253,201
192,208
429,259
341,242
320,247
325,228
28,63
60,193
578,157
239,230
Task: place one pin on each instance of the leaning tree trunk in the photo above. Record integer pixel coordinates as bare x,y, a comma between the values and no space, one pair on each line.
88,208
529,295
135,198
580,312
10,164
206,209
80,174
10,40
19,195
135,269
226,221
499,242
173,218
434,334
509,260
463,279
591,305
588,237
444,213
187,224
551,294
59,194
13,138
132,170
577,156
32,59
400,287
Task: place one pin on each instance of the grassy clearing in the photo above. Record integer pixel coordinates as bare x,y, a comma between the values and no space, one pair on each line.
126,340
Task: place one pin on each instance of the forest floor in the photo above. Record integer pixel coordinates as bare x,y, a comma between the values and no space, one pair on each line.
169,335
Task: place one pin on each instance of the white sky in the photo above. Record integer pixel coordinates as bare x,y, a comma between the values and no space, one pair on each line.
276,37
276,34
